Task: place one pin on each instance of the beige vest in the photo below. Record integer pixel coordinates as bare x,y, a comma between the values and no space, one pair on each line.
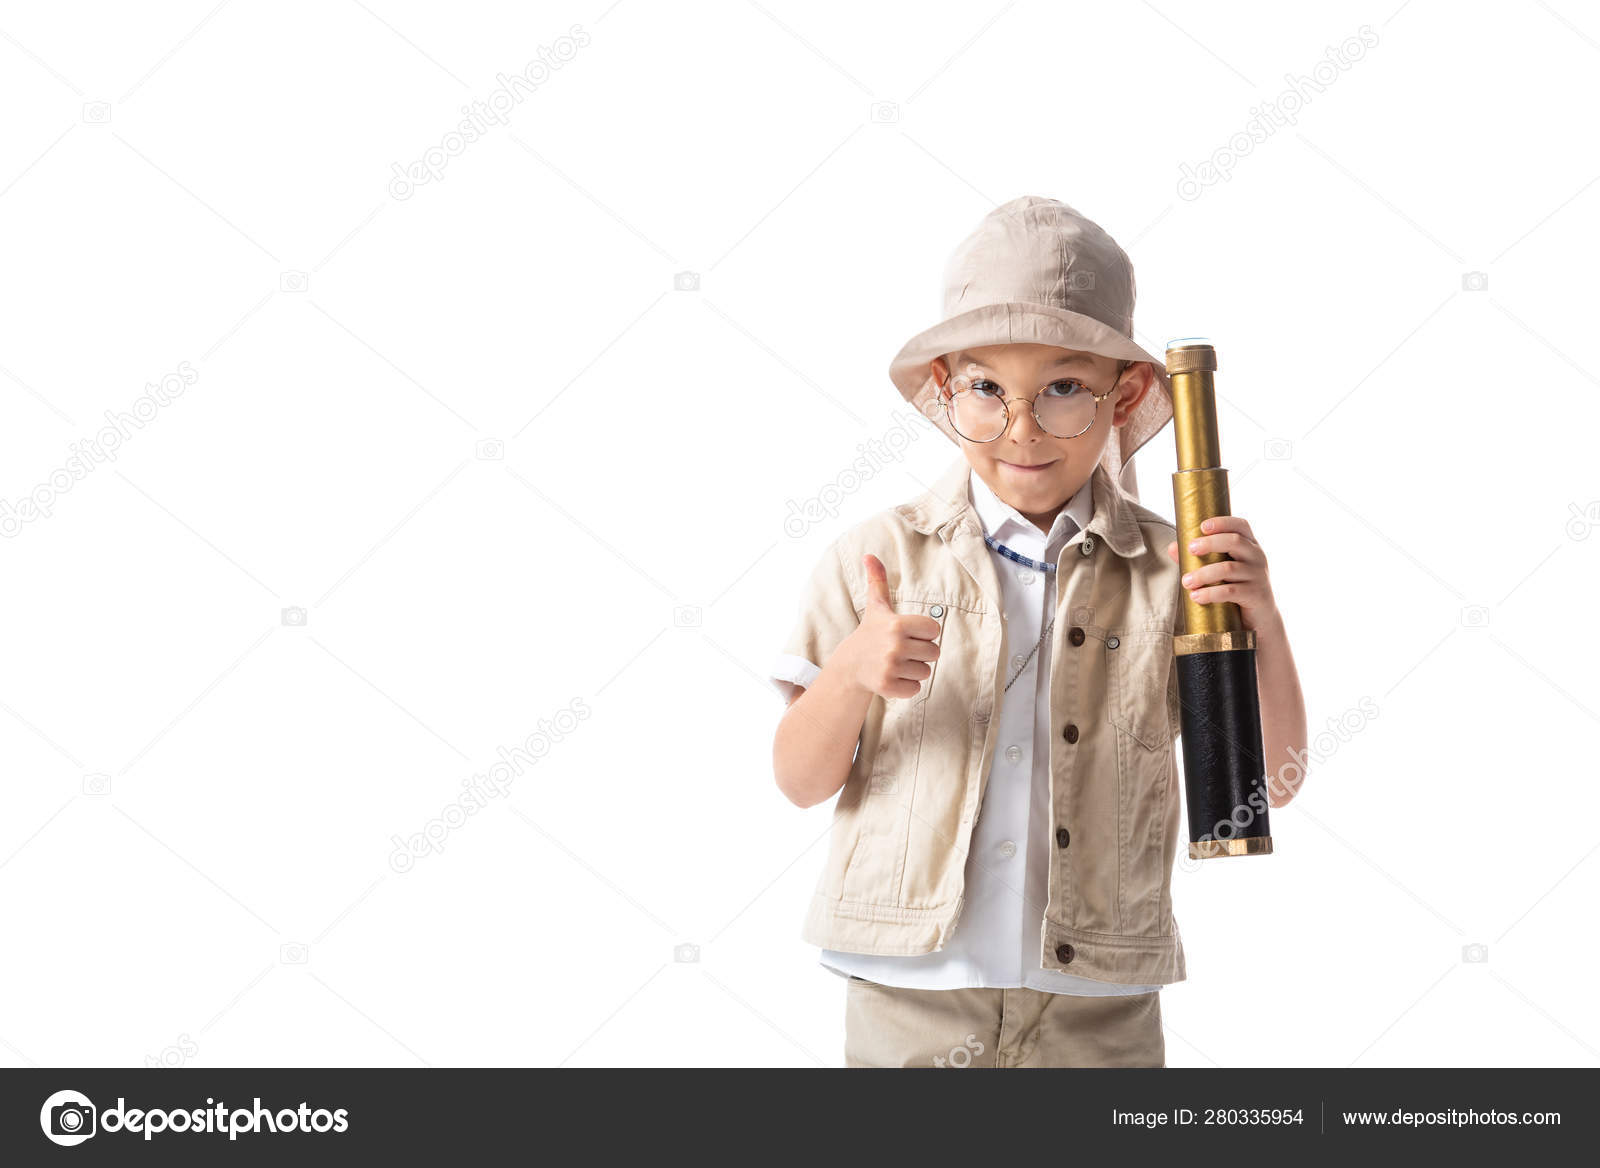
892,883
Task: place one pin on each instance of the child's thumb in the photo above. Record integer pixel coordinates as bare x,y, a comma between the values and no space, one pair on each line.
877,583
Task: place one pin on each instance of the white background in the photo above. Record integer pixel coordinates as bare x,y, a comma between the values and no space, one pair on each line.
199,799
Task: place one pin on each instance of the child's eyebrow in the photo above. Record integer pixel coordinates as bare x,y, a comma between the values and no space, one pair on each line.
966,358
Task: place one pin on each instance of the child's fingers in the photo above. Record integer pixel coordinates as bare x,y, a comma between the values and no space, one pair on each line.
1231,591
1222,572
908,670
1232,543
877,583
1220,523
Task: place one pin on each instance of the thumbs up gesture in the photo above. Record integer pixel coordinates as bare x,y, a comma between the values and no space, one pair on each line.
889,651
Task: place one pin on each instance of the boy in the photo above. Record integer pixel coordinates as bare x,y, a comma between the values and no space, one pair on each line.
985,675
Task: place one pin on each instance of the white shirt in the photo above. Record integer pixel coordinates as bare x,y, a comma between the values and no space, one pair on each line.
996,940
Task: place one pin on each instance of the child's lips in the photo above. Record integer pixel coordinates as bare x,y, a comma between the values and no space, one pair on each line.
1036,468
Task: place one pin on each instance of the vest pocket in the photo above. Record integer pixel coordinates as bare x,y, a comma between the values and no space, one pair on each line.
1139,665
876,870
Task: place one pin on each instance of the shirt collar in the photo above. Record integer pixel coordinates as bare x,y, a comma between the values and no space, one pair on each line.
1117,521
1008,525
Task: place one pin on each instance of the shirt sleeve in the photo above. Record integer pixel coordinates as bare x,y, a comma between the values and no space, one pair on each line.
827,616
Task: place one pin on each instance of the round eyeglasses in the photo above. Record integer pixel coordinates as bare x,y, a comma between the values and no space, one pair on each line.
978,409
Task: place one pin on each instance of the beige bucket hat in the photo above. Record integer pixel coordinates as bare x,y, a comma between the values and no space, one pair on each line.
1035,270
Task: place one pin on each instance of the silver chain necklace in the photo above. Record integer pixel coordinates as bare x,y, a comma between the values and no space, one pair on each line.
1048,569
1031,652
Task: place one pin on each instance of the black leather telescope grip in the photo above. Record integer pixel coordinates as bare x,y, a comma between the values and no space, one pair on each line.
1221,724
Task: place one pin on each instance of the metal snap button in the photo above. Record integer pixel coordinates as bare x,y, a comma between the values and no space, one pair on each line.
1014,753
1086,546
1008,849
1112,642
936,611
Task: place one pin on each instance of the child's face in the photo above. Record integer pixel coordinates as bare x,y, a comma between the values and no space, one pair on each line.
1026,466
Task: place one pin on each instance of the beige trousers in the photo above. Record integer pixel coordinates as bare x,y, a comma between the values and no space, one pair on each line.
887,1026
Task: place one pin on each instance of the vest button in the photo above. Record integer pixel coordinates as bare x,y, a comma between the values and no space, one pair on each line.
1062,836
1112,642
1076,635
1086,546
1063,953
1070,733
936,611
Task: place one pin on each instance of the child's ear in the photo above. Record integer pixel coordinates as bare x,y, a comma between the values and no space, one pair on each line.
1135,383
940,370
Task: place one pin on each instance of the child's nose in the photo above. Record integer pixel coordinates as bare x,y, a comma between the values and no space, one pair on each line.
1022,420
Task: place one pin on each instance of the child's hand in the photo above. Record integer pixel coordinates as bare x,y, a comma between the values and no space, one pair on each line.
888,653
1241,579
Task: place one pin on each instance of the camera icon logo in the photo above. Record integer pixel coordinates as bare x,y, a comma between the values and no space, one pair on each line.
1080,281
294,953
1474,616
293,282
685,953
1476,953
97,784
294,616
686,616
97,113
1583,521
490,450
1278,449
68,1118
686,282
885,112
1475,282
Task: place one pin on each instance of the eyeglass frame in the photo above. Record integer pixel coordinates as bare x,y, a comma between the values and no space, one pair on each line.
950,404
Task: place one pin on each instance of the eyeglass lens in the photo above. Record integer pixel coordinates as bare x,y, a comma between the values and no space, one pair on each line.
1063,410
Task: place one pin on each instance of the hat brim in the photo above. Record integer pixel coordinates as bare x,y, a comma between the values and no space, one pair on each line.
1039,324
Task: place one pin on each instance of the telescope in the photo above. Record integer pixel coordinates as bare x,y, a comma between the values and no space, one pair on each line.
1224,778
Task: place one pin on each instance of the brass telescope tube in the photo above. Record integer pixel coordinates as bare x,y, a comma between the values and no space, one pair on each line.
1216,655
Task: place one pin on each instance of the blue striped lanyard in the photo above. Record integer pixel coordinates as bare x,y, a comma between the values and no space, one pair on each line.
1017,556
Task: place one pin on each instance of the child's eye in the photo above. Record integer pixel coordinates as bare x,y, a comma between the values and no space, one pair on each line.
985,388
1067,388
